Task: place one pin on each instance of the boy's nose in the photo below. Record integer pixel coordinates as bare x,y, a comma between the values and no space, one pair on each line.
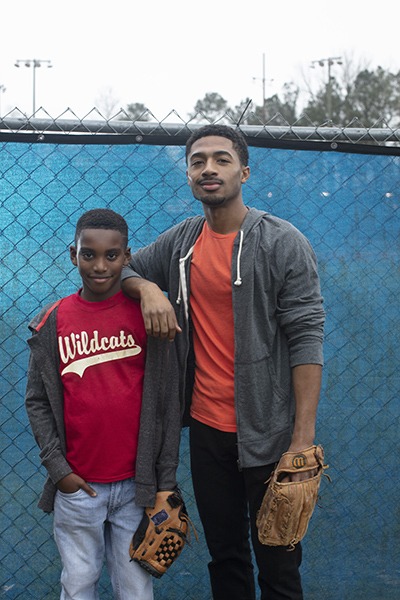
100,265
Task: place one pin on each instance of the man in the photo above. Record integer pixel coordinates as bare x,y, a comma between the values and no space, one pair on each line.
247,299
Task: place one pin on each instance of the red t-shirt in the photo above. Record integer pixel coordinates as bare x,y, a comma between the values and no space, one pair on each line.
102,348
213,336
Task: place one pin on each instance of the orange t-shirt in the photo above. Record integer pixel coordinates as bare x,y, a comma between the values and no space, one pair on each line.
213,338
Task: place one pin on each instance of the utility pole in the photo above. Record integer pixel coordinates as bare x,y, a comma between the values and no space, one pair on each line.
2,90
264,81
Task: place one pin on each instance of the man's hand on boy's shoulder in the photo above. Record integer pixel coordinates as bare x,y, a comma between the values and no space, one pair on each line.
158,313
159,317
72,483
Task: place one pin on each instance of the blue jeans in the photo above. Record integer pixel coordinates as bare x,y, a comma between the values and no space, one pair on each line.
88,530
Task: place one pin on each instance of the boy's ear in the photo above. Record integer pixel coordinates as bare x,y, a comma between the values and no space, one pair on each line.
128,256
72,255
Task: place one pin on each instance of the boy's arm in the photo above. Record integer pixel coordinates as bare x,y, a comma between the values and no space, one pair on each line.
160,423
44,429
170,410
43,425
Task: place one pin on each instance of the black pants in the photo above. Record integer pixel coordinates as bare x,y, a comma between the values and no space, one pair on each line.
228,500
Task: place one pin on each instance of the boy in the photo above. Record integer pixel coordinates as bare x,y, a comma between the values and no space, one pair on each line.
103,407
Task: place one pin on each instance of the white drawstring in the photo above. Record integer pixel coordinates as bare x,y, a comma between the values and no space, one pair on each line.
238,277
182,291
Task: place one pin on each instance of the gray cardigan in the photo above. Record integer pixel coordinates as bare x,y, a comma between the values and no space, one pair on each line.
278,320
160,421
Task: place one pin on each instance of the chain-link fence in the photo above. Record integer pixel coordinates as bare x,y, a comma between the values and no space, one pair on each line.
344,194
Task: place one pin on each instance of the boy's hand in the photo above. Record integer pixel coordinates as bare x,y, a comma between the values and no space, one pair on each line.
72,483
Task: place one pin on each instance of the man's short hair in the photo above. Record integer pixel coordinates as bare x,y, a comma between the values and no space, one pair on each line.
235,135
102,218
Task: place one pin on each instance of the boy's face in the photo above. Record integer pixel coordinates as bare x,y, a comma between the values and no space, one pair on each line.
100,255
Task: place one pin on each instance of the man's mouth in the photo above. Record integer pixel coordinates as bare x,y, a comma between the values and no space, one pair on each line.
210,184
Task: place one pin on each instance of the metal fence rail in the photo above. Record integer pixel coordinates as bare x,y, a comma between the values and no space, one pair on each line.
344,197
120,124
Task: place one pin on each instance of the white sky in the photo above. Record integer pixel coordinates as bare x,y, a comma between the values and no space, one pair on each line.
167,54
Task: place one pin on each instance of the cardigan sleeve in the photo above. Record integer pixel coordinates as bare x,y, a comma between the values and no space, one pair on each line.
160,423
300,310
43,424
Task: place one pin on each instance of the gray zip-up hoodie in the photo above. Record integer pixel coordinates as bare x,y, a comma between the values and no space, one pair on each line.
160,419
278,320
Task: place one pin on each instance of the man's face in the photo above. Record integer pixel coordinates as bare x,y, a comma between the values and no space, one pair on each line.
214,171
100,255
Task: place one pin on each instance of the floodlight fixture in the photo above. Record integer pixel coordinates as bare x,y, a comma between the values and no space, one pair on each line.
34,63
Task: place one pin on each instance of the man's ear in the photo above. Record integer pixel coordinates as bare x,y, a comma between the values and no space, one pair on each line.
128,256
245,174
73,255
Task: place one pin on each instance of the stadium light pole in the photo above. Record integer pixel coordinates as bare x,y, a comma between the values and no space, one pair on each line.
328,62
34,63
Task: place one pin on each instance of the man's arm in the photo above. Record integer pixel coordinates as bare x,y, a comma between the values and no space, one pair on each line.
301,315
158,313
306,387
146,278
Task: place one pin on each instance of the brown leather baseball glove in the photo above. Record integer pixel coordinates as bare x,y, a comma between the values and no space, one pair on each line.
287,506
161,535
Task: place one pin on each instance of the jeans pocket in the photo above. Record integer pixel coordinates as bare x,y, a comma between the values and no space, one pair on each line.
71,494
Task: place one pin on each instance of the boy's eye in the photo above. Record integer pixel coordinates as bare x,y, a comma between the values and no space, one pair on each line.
112,256
87,255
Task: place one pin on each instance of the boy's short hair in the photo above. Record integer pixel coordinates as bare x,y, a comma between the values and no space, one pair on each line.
235,135
102,218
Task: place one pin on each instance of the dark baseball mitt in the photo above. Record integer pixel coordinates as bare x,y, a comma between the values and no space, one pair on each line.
287,506
161,535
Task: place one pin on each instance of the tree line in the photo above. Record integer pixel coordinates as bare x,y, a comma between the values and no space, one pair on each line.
352,97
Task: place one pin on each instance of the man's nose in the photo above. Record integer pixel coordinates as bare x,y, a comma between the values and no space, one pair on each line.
209,166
